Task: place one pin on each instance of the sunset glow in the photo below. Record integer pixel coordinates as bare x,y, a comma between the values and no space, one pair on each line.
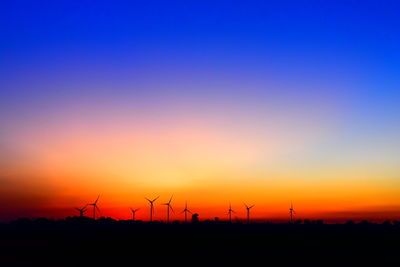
231,105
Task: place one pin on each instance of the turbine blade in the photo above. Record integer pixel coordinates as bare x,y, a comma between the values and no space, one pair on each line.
156,198
97,199
171,208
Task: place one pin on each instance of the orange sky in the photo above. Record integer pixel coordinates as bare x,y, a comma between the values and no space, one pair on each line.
207,166
260,103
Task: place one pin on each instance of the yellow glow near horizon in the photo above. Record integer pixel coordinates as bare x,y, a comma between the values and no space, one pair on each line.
197,161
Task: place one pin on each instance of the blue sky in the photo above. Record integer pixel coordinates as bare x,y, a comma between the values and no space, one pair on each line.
257,50
304,45
325,70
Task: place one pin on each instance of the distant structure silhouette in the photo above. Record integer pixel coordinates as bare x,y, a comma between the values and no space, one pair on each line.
95,207
81,210
151,207
248,212
169,207
134,213
195,218
230,211
291,211
186,210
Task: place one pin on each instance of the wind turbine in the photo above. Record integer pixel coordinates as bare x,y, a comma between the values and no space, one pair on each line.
169,207
186,211
81,210
291,211
134,213
248,212
230,211
95,207
151,207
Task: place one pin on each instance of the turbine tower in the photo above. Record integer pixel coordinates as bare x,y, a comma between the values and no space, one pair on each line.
248,212
81,210
95,207
169,207
151,207
186,211
134,213
291,211
230,211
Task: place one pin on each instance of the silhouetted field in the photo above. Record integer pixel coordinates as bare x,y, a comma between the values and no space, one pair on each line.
84,242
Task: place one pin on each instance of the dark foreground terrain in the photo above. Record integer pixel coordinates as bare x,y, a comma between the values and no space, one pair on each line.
84,242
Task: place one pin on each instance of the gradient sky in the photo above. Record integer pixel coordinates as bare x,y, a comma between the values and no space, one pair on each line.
263,102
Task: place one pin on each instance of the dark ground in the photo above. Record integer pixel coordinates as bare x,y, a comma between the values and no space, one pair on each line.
76,242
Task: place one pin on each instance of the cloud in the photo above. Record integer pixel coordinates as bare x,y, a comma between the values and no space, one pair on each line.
24,196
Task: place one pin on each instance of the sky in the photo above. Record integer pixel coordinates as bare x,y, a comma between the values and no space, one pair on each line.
262,102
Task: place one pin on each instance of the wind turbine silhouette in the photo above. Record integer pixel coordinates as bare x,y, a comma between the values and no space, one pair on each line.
81,210
95,207
169,207
230,211
186,211
248,212
134,213
151,207
291,211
